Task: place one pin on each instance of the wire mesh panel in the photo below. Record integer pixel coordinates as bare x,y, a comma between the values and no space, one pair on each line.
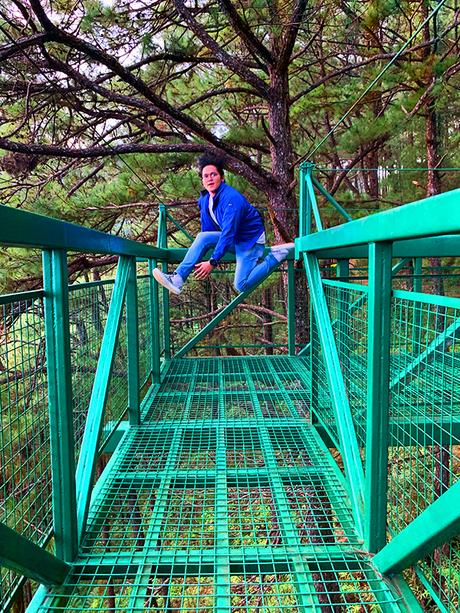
353,586
25,471
348,311
144,328
263,314
425,418
88,310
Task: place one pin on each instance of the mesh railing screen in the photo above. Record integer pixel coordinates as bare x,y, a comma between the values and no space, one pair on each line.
25,473
117,401
348,312
425,417
88,309
144,328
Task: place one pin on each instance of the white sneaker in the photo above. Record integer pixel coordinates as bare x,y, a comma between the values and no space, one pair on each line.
280,252
173,282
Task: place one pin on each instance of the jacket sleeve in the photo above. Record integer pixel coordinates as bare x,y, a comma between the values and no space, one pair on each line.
230,222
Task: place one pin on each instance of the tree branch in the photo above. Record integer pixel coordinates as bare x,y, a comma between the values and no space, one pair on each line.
235,64
253,45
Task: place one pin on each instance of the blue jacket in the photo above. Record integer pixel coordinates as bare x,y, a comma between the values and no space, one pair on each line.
240,223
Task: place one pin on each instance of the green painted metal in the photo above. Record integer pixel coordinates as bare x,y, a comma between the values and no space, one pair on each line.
377,414
55,278
312,200
87,461
436,525
304,203
349,446
291,309
331,199
30,560
21,296
430,217
218,318
442,246
24,229
132,336
224,496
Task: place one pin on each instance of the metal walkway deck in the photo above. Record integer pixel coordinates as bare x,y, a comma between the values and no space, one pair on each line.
224,499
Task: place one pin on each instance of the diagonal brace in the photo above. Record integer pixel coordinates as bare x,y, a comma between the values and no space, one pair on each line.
342,411
220,316
88,455
434,526
28,559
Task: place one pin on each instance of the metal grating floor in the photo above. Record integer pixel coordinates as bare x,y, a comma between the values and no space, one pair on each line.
225,499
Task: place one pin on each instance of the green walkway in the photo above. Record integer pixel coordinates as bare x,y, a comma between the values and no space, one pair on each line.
224,499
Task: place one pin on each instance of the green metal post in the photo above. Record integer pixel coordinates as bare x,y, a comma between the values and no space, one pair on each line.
30,560
132,336
58,357
303,206
154,305
162,241
347,434
88,454
314,358
378,375
291,308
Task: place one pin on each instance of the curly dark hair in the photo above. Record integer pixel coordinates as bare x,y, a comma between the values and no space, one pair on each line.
208,159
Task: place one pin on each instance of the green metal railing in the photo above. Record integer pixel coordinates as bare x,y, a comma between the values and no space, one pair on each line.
394,357
134,478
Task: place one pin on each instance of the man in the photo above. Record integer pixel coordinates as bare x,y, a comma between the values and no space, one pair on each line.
228,223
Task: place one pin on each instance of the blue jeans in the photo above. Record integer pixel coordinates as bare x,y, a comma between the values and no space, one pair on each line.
249,269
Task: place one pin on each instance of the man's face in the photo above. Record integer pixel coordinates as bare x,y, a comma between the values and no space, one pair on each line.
211,178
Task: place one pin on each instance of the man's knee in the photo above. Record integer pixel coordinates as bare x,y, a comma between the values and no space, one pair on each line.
241,285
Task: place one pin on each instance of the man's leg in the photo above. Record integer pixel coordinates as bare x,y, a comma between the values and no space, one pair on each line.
175,281
249,268
201,244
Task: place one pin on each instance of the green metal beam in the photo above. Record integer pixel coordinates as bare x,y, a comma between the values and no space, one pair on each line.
347,434
442,246
433,527
219,317
377,415
430,217
88,456
24,557
24,229
60,403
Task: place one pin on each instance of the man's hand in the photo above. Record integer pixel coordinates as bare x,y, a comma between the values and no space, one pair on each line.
203,270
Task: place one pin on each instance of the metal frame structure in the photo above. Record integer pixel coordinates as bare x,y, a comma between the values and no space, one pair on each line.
220,493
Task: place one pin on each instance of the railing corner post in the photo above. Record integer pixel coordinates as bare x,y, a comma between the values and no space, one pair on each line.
60,401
